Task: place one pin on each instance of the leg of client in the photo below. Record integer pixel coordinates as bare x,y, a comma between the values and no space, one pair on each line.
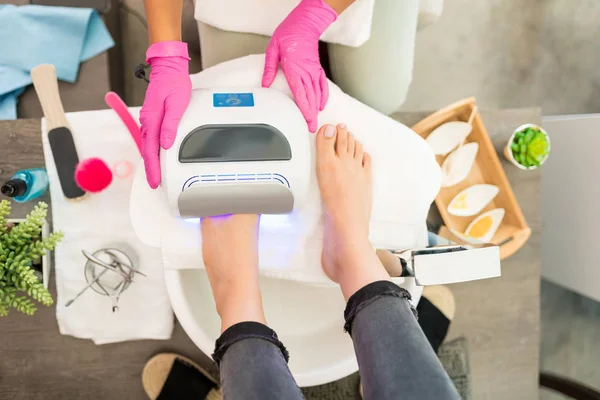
394,357
252,361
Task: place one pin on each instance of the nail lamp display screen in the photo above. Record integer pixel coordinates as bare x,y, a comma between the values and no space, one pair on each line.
231,143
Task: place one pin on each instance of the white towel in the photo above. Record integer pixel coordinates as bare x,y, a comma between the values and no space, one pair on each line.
352,28
406,179
101,221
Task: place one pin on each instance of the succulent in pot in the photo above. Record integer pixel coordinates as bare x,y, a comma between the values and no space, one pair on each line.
22,246
528,147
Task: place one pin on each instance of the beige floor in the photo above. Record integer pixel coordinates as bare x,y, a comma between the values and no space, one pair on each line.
513,53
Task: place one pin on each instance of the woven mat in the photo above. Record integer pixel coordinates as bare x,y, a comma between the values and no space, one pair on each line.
454,356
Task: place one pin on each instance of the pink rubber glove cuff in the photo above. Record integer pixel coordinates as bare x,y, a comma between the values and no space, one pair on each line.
167,98
295,45
167,49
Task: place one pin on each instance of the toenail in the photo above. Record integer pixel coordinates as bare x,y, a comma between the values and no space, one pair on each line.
329,131
342,126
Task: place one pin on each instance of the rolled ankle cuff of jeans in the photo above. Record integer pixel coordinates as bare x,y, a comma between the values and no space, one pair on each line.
246,330
368,295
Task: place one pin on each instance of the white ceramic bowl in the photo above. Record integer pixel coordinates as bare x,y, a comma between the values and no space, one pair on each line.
308,320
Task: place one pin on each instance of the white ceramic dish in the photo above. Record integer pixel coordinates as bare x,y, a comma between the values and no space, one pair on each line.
458,164
472,200
448,136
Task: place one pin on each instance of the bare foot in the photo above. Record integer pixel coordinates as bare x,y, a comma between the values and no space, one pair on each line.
230,251
344,174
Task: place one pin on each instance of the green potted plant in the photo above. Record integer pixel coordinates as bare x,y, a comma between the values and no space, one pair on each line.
528,147
22,247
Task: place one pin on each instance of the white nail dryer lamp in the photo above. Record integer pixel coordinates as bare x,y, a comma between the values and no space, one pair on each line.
242,152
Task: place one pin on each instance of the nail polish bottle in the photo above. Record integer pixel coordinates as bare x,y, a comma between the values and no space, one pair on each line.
26,185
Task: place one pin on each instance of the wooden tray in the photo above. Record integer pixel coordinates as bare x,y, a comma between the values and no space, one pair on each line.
513,231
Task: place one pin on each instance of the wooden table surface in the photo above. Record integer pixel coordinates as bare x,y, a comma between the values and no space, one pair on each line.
499,317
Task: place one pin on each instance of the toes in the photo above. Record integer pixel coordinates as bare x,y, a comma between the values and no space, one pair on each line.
326,139
351,144
359,152
367,162
341,143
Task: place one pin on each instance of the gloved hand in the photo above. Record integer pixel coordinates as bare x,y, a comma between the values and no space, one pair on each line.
295,44
167,97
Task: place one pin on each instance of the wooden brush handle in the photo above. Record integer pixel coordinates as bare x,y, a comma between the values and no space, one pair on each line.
46,87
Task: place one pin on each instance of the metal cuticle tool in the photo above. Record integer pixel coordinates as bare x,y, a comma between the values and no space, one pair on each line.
108,272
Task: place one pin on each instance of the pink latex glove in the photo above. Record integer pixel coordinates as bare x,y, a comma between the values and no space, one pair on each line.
295,44
167,97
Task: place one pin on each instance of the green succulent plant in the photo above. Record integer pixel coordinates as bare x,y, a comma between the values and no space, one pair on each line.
21,246
530,147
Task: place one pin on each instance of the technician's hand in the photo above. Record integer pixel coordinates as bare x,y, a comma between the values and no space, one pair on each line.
167,97
295,44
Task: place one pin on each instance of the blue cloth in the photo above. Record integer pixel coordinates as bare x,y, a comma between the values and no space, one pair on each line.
32,35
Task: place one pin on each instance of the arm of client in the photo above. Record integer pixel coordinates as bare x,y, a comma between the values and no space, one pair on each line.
295,44
170,88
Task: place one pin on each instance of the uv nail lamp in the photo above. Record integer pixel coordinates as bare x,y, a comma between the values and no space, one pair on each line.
238,152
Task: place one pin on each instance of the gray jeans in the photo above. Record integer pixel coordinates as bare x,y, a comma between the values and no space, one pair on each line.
394,357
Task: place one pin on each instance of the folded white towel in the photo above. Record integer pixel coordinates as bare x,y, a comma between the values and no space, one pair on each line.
406,179
101,221
353,27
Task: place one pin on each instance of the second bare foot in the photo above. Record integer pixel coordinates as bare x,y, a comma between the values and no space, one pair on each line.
344,175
